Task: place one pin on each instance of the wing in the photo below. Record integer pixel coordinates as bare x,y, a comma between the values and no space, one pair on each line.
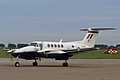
49,51
74,52
62,54
65,52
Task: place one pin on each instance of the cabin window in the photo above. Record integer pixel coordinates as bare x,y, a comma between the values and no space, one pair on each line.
62,46
72,46
55,45
51,45
48,45
58,46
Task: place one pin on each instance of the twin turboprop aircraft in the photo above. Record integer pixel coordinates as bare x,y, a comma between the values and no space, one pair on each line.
57,50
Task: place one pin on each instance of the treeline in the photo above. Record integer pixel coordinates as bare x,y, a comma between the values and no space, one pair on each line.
102,46
14,46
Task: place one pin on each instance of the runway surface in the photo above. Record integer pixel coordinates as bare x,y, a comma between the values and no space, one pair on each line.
79,69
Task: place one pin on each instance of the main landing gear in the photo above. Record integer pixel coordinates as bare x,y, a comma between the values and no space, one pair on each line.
65,64
35,63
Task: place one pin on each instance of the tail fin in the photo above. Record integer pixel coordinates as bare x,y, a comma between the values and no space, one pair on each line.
91,36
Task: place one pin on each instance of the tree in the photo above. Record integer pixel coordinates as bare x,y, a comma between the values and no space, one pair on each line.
11,46
2,46
118,46
21,45
101,46
110,47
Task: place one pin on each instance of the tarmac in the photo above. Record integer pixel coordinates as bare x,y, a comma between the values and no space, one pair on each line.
48,69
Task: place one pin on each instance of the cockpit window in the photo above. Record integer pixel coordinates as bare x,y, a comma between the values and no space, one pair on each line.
33,44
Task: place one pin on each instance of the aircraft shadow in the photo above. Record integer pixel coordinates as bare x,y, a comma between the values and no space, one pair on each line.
70,66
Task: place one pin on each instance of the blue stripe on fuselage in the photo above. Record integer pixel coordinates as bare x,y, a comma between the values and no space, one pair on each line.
27,55
33,55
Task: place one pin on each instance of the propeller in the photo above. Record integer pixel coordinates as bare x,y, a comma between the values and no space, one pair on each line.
11,52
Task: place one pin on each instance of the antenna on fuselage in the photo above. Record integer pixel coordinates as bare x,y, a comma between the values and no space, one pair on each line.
61,40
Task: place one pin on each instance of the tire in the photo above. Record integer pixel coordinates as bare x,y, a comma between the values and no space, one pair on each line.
65,64
17,64
35,64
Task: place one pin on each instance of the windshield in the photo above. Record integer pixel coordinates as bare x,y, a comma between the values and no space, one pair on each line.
33,44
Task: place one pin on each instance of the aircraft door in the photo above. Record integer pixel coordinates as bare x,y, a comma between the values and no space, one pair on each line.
41,46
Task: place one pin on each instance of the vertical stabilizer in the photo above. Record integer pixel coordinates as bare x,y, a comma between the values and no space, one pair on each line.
91,36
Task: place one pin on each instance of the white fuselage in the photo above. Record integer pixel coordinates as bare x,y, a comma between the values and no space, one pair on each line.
57,47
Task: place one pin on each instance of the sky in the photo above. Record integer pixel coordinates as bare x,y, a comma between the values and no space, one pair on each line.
24,21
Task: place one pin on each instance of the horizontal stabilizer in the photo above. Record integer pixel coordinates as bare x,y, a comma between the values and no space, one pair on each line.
97,29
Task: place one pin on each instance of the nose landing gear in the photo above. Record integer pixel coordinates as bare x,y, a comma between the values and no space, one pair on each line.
17,64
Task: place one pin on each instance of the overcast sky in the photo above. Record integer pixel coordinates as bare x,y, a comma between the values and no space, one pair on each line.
23,21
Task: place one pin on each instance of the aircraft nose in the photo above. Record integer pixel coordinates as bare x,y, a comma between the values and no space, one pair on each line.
11,51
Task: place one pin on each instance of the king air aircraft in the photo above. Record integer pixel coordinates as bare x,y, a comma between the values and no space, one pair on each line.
57,50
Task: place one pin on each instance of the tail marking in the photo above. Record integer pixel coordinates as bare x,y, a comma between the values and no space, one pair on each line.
89,36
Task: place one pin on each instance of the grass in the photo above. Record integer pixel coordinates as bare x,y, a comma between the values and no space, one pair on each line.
4,54
99,54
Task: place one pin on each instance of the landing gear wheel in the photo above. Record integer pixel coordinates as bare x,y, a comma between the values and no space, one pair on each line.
35,64
65,64
17,64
